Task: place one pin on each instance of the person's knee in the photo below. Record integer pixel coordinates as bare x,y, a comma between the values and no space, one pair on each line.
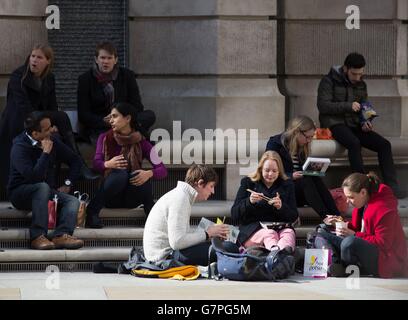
348,246
42,190
354,145
385,146
72,205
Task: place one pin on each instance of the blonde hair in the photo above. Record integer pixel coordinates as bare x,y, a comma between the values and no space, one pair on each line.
268,155
199,172
357,181
49,55
297,126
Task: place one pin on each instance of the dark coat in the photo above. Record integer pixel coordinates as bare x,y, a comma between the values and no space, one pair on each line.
29,164
275,144
335,97
249,215
91,98
23,97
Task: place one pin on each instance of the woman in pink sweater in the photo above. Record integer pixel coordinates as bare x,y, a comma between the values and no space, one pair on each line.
119,155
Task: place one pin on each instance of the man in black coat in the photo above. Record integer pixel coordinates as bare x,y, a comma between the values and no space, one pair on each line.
104,85
341,95
32,180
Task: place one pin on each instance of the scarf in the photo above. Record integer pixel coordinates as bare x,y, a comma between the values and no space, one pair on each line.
106,80
131,149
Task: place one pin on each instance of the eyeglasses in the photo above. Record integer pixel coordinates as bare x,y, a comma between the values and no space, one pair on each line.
306,136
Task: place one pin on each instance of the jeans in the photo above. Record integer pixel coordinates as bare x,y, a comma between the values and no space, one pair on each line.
198,254
354,251
116,192
313,192
35,197
355,138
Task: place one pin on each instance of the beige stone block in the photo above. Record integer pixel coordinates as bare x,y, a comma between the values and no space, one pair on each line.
10,294
171,8
203,47
313,47
17,38
23,7
320,10
215,103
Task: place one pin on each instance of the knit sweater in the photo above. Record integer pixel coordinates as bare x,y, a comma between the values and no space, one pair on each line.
167,227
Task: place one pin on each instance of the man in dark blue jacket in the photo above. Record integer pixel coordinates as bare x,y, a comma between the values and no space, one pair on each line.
32,178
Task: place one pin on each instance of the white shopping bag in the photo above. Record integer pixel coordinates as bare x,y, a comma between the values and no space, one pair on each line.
317,262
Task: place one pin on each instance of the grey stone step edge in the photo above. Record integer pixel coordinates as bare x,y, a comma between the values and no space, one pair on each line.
212,208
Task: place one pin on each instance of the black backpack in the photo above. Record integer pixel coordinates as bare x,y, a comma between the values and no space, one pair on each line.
254,264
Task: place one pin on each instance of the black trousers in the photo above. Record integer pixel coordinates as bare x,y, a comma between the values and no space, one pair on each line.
313,192
116,192
355,138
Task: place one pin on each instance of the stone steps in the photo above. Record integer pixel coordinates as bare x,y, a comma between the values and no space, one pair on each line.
111,244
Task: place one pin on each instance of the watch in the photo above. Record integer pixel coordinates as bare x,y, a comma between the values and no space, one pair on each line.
68,182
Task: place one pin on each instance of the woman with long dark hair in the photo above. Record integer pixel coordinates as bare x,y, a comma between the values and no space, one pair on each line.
32,88
119,155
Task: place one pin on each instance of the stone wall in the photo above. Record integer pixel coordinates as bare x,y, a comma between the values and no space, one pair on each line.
22,25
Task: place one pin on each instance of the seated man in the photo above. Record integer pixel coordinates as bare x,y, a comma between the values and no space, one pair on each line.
341,95
104,85
30,187
167,233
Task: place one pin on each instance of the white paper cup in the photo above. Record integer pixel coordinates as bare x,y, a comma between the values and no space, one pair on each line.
340,225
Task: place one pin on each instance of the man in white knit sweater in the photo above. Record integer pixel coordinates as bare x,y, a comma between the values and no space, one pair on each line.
167,232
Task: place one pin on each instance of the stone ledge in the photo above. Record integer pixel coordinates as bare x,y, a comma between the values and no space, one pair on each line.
83,254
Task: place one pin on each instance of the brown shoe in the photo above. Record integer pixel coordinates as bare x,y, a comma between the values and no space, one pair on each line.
42,243
66,241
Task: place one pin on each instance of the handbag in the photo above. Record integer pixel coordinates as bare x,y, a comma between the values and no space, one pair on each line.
83,203
323,134
340,200
254,264
52,212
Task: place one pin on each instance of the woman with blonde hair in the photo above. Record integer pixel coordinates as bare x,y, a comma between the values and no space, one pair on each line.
266,196
373,240
32,88
293,146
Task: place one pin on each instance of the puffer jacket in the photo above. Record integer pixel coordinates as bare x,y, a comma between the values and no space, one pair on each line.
335,97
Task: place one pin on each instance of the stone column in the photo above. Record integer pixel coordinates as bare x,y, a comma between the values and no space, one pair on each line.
316,37
209,64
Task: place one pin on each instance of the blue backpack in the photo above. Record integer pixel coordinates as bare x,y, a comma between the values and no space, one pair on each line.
254,264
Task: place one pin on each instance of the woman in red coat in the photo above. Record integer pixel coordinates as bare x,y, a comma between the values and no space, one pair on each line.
374,239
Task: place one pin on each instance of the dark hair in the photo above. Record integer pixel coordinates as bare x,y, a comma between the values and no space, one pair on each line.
33,121
199,172
357,181
354,60
108,47
126,109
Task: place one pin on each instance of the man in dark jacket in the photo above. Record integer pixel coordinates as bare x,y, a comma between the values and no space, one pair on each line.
104,85
31,181
340,97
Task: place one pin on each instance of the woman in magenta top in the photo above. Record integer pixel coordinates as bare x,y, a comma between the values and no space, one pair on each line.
119,155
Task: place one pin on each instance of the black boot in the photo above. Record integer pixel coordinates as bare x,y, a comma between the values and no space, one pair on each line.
93,221
86,173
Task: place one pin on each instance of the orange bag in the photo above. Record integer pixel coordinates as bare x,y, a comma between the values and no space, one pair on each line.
323,134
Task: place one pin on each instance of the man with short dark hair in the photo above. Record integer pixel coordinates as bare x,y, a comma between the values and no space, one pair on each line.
103,85
341,95
32,178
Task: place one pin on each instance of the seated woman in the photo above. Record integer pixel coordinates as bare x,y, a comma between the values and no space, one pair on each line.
119,155
374,240
293,146
32,88
250,207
